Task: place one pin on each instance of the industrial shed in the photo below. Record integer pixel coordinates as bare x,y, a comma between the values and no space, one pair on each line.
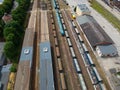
82,9
106,50
46,70
96,36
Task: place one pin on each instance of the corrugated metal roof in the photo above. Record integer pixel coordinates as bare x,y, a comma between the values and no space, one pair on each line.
1,48
29,37
107,49
6,68
2,56
46,69
4,75
26,55
82,19
93,31
23,76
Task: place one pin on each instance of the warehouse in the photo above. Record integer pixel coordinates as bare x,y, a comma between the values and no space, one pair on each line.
96,36
108,50
82,9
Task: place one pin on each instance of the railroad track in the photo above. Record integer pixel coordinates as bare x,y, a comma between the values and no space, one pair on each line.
44,36
90,66
75,55
65,53
69,63
48,28
62,84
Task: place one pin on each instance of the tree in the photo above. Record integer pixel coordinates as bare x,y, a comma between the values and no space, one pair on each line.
19,15
10,37
7,5
15,25
1,27
8,30
15,28
10,50
14,38
1,12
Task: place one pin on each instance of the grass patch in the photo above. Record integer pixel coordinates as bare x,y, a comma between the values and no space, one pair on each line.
106,14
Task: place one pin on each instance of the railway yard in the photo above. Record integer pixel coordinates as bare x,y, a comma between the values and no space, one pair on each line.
55,54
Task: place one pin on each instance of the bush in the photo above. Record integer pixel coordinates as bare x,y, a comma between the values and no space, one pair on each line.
13,68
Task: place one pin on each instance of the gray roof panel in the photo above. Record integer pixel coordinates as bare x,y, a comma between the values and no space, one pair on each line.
4,75
46,69
28,56
106,49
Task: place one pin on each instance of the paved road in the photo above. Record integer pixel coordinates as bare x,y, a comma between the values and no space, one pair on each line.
113,11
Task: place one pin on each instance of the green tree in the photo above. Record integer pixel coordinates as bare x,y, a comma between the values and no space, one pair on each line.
8,30
10,37
1,27
1,12
10,50
7,5
14,38
15,25
19,15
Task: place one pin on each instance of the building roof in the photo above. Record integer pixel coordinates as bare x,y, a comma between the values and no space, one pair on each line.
93,31
23,76
28,37
1,47
46,69
2,56
26,55
107,49
4,76
7,18
83,8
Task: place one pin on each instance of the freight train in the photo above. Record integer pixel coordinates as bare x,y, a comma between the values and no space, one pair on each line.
92,71
59,17
75,62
